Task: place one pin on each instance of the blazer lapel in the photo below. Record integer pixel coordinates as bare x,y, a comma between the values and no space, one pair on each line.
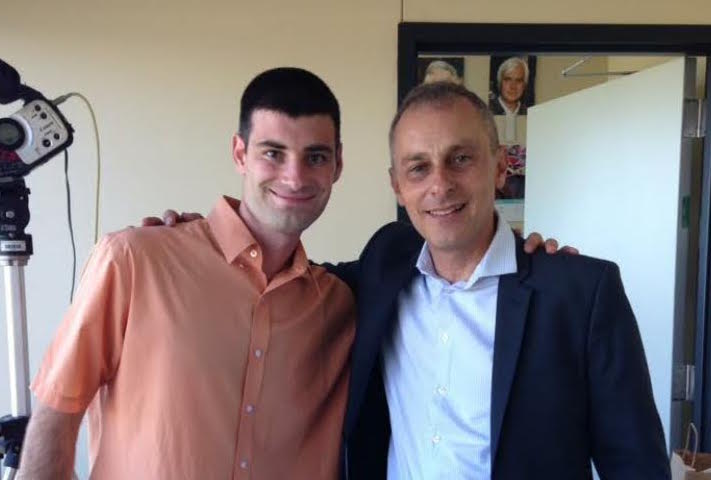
511,311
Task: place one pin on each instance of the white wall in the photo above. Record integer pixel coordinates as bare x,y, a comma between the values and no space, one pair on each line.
165,78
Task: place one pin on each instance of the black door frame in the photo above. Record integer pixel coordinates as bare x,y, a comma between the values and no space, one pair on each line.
489,38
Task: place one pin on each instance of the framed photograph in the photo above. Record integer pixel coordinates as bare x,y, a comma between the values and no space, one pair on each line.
434,69
512,84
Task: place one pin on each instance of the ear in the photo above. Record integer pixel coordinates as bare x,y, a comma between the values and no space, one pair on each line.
239,153
339,162
501,164
395,185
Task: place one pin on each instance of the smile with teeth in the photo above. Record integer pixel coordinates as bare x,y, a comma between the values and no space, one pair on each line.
442,212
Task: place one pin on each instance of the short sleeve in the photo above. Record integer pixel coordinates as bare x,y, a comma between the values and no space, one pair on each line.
87,347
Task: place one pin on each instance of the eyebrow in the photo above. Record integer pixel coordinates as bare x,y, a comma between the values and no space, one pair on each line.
315,148
319,147
415,157
421,156
271,144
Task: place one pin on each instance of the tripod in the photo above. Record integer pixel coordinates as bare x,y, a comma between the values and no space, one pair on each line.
15,250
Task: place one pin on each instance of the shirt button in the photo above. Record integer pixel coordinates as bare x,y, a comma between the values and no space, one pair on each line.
253,253
444,337
243,464
249,408
258,353
436,439
241,265
442,391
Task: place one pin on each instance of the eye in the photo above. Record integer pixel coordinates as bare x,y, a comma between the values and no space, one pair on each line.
461,159
317,158
272,154
418,169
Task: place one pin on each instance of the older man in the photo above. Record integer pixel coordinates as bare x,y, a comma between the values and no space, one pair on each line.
473,359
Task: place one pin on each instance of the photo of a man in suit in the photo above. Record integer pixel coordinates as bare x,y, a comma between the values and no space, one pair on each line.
512,78
472,358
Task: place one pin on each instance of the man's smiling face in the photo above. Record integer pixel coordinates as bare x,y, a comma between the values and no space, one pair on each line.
289,166
445,174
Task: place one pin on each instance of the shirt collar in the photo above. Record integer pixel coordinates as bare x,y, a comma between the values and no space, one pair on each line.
234,237
499,259
506,108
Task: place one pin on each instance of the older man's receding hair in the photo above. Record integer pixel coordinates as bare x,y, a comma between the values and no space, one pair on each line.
441,94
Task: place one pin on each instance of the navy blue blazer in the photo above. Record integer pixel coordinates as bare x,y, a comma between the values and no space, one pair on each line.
570,380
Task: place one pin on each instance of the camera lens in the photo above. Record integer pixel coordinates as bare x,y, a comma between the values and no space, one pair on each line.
11,134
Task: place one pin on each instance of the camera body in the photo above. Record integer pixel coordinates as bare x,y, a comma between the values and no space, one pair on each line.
31,136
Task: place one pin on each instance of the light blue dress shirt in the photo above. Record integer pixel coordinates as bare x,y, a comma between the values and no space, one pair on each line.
438,368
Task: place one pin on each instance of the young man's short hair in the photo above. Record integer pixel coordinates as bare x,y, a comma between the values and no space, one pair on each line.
292,91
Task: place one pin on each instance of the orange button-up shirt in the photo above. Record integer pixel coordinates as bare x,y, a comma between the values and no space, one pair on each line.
197,367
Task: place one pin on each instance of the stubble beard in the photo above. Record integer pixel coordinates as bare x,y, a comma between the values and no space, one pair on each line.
289,221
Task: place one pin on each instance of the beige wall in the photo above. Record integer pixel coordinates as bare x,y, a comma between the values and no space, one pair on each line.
165,83
164,78
558,11
476,71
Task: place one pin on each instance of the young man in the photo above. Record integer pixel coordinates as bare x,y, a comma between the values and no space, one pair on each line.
473,359
229,362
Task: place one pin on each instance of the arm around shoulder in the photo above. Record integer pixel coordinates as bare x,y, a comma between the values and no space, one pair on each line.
50,442
627,439
348,272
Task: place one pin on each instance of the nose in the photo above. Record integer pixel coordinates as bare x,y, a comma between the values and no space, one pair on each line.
442,181
293,173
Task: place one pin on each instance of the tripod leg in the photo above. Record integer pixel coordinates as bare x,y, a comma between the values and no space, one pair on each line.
16,315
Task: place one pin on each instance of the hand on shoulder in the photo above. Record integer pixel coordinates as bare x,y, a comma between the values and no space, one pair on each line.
535,241
170,219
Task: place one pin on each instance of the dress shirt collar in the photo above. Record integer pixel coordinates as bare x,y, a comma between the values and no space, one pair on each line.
234,237
506,108
499,259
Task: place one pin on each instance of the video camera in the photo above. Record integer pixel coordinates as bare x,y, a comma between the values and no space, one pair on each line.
34,134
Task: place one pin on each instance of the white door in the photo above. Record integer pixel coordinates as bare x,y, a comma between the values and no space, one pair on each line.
607,172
